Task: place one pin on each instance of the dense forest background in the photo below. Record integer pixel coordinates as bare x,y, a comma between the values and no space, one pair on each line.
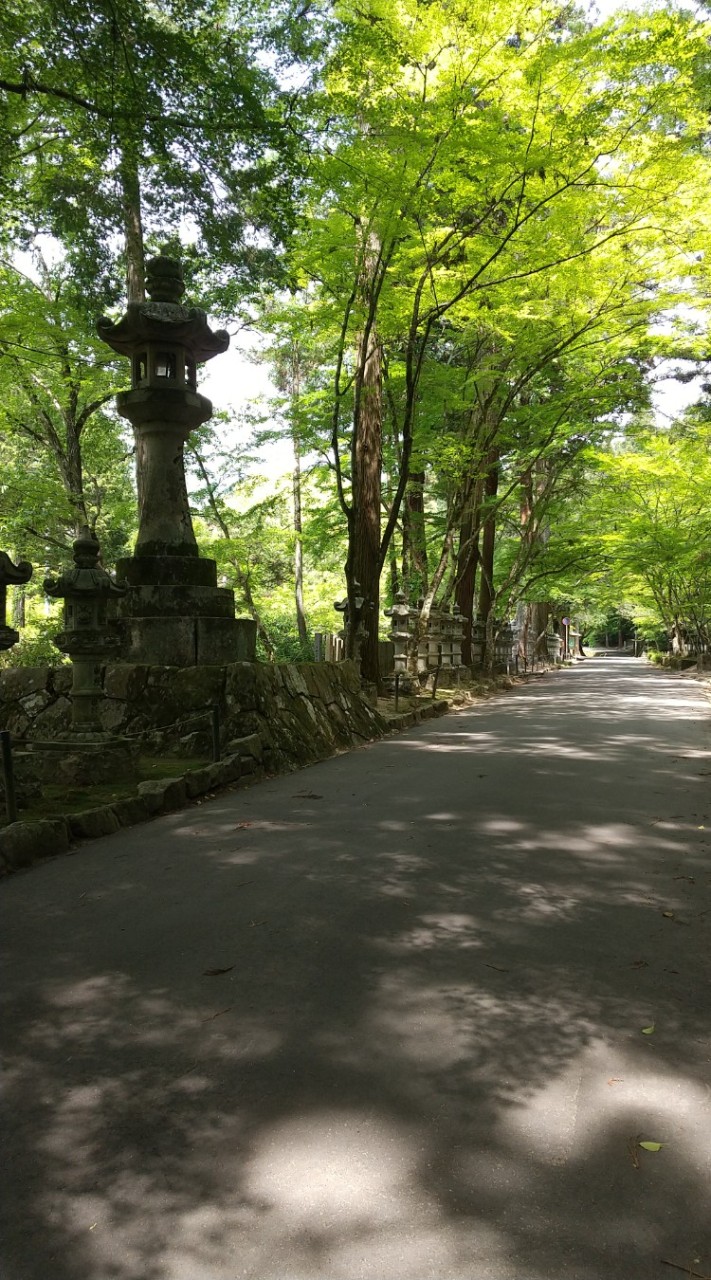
467,242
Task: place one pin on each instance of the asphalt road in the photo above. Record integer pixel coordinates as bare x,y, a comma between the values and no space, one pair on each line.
382,1018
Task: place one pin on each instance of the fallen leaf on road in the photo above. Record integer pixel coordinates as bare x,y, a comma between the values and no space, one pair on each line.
240,826
651,1146
615,1080
648,1031
218,1014
669,915
215,973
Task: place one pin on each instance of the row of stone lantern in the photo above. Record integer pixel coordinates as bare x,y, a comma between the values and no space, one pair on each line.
440,643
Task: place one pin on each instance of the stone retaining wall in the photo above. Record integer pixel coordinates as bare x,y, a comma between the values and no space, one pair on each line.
301,712
274,719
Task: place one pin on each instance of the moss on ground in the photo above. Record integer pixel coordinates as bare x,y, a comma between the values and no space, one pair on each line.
57,800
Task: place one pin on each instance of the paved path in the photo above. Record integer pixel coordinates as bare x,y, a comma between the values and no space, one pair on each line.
425,1056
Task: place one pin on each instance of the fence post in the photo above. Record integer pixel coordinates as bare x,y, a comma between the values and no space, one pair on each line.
216,753
10,802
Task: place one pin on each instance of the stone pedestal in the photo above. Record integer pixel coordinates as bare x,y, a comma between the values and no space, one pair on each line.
174,614
85,760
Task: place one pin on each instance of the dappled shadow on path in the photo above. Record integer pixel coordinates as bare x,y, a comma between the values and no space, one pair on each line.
425,1055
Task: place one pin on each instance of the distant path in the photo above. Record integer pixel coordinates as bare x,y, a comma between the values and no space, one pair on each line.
425,1057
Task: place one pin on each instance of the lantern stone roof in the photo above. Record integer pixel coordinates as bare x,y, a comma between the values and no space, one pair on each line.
86,577
13,574
163,319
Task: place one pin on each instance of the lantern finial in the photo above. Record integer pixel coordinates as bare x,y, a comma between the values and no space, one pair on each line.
164,279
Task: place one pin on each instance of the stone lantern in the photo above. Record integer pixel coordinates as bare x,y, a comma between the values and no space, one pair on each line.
164,342
458,624
354,628
554,646
11,575
400,636
478,641
86,590
447,634
174,613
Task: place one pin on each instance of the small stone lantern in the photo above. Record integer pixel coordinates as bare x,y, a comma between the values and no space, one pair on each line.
447,637
400,636
87,637
458,624
354,629
11,575
554,646
478,641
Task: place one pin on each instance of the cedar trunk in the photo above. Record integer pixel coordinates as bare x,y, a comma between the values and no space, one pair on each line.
467,564
414,542
298,544
133,230
363,565
486,586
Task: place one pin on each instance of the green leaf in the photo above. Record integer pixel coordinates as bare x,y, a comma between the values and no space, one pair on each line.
648,1031
651,1146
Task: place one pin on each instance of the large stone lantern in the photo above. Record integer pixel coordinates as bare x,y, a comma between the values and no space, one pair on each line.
164,342
175,614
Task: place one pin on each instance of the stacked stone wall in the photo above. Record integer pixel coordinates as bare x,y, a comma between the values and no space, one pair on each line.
300,712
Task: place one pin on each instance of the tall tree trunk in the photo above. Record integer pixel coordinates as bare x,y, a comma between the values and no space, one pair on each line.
74,475
486,585
298,541
467,563
539,615
135,269
132,228
19,607
414,550
364,543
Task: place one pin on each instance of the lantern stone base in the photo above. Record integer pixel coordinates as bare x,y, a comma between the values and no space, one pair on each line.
405,684
174,614
85,759
189,641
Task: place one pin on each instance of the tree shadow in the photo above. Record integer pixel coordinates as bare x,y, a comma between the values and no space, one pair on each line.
425,1056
